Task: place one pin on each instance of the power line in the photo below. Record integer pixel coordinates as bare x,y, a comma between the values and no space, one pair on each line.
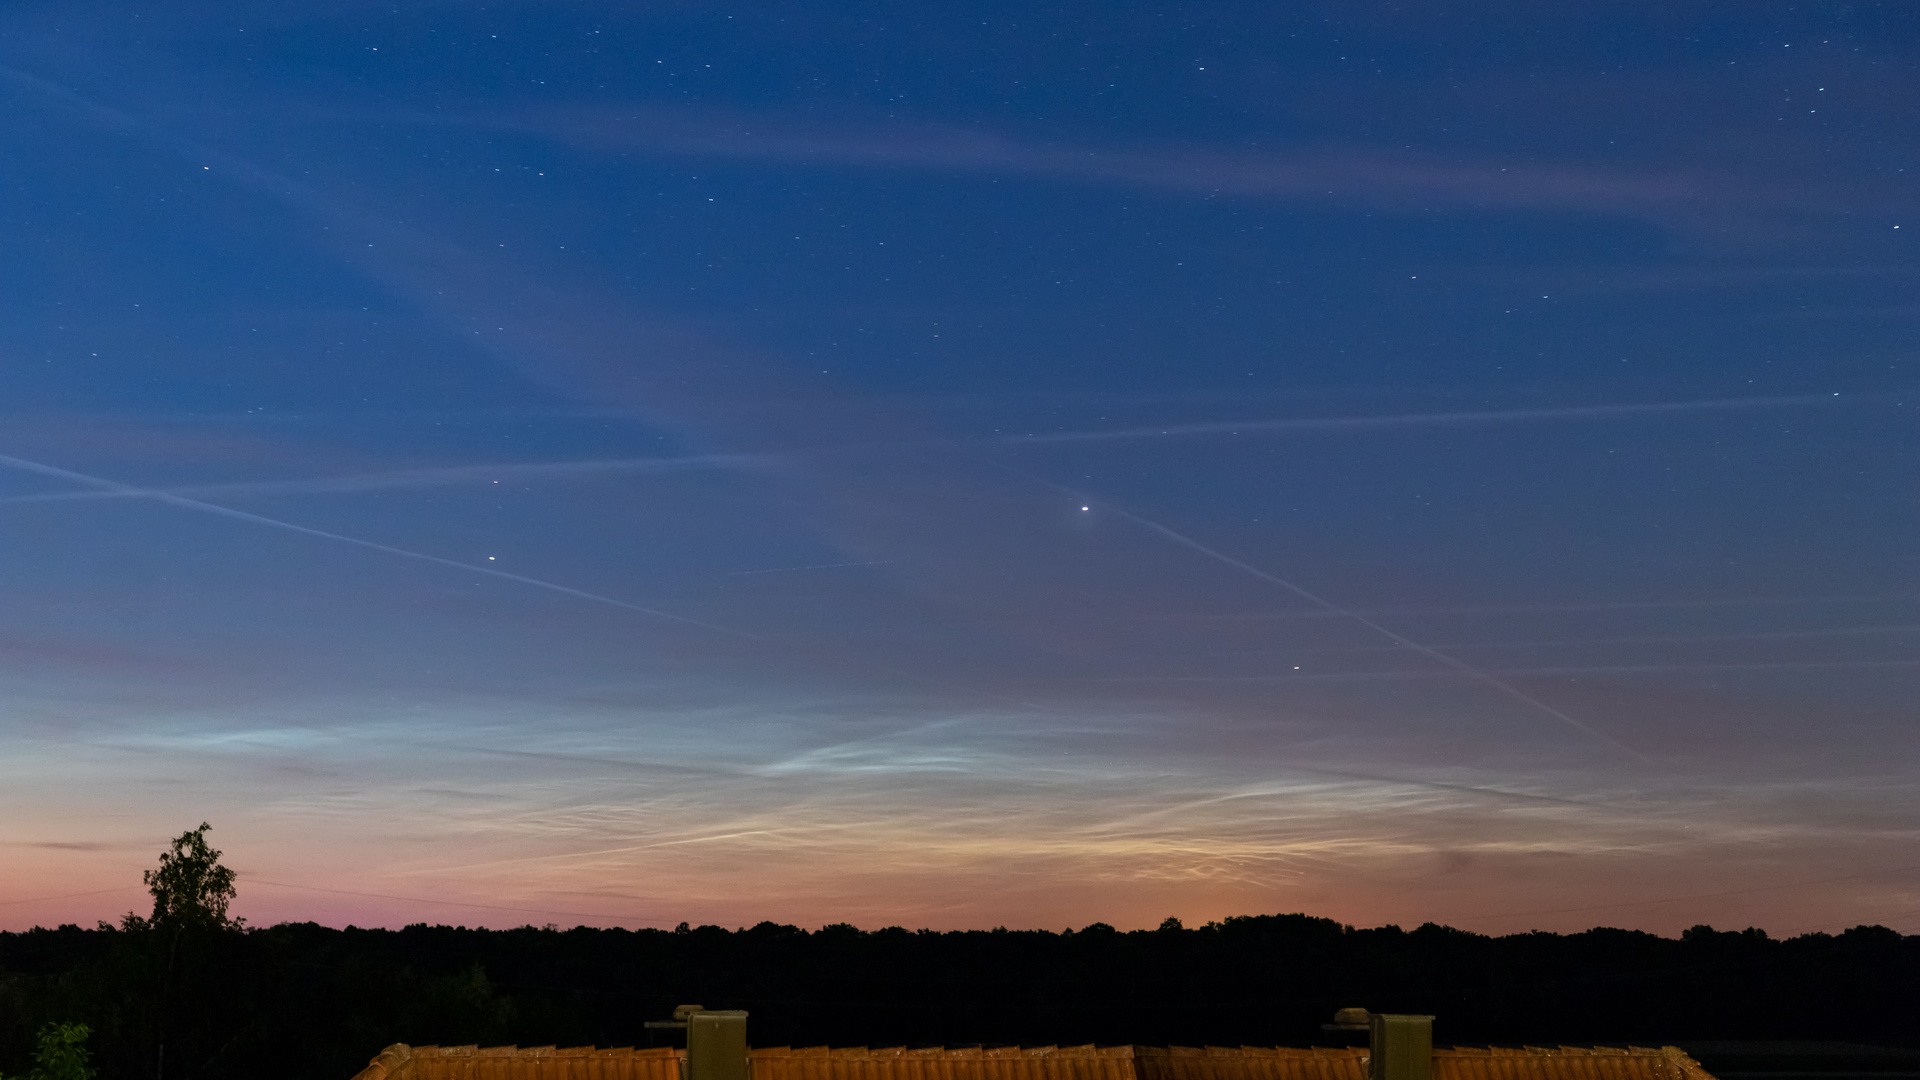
455,903
69,896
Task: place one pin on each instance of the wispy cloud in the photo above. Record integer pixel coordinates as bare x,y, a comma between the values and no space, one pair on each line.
1321,174
1336,174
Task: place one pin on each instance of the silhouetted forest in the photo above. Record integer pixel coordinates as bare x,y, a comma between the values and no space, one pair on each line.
305,1001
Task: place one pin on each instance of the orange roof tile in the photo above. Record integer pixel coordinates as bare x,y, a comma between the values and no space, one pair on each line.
402,1062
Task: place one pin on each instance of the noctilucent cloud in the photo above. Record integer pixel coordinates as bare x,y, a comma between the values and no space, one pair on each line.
963,465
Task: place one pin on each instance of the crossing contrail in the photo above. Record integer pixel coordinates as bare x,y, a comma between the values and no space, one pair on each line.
129,491
814,566
1433,419
1640,639
407,478
1459,666
1610,606
1319,601
1589,669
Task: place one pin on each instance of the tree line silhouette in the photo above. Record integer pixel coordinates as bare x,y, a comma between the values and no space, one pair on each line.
189,994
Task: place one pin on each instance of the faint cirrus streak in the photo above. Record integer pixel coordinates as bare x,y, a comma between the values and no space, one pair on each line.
1339,174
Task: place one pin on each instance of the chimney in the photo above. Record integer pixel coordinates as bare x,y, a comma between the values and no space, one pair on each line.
1400,1047
717,1045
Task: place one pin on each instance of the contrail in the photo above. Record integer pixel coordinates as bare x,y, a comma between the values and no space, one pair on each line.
1644,639
1438,419
1590,669
1620,605
129,491
815,566
405,478
1319,601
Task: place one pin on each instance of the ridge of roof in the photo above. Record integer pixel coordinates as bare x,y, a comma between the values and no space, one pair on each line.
1084,1062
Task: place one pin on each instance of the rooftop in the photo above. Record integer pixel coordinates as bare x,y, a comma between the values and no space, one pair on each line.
403,1062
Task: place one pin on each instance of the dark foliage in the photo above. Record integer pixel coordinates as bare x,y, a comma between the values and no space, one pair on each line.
305,1001
190,888
60,1053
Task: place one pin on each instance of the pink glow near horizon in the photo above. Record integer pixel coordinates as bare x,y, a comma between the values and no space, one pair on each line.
496,832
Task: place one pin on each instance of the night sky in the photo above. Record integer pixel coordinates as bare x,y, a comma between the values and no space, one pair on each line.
960,465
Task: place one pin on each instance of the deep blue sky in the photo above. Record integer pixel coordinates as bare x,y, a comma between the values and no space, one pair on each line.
963,465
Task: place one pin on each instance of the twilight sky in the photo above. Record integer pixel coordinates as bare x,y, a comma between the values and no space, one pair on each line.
960,465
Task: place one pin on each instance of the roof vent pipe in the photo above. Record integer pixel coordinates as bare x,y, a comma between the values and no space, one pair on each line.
1349,1020
1400,1047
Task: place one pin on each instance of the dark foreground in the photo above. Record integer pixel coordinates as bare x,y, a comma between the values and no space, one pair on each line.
303,1001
